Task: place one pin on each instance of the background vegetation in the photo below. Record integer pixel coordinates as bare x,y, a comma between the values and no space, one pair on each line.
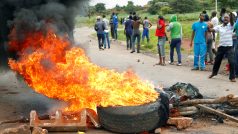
186,10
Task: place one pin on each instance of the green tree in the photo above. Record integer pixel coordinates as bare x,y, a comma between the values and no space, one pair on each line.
90,11
100,7
118,8
185,6
130,7
155,6
165,10
228,3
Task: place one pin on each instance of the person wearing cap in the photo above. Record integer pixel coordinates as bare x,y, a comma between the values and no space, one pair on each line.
176,38
100,27
146,29
200,48
160,33
106,32
225,46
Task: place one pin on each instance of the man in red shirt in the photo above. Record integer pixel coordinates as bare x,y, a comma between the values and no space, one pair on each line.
160,33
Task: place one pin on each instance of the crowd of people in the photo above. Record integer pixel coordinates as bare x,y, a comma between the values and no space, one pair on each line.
204,37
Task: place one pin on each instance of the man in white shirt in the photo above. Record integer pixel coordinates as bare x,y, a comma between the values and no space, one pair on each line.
225,46
106,32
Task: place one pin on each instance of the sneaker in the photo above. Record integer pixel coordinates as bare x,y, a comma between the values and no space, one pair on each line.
171,63
202,69
179,64
195,69
233,80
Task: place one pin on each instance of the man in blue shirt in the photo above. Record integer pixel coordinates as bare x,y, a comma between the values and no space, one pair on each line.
199,36
115,24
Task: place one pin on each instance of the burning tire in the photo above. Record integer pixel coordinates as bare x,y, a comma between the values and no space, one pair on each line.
135,119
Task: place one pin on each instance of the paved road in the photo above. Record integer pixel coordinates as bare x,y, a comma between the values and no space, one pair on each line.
17,99
120,59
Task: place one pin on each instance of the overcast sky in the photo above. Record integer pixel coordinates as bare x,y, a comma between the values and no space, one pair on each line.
113,3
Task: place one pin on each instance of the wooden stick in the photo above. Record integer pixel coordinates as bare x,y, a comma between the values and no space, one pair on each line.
225,99
216,112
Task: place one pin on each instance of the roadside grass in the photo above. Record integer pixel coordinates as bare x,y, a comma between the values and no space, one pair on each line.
185,19
86,21
152,45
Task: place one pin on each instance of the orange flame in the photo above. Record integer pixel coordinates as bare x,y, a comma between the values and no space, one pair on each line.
52,68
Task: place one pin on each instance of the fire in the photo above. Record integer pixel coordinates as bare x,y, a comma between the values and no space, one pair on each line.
53,68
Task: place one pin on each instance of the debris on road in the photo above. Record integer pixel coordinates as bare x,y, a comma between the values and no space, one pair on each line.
218,113
158,131
180,122
38,130
23,129
186,100
226,99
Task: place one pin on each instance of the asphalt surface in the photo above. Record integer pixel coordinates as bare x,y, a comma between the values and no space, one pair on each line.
17,99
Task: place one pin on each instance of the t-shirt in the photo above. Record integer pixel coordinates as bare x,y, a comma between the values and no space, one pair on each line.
128,27
215,21
236,28
200,29
106,21
226,33
161,32
146,23
176,30
115,20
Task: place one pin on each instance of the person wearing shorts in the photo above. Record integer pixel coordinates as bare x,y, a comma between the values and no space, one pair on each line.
160,33
146,30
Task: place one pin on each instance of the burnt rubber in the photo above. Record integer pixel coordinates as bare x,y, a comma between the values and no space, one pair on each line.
135,119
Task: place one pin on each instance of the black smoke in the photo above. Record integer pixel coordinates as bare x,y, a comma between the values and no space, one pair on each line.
33,15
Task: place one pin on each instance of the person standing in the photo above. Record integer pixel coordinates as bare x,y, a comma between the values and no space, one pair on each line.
199,36
209,45
236,49
106,32
112,27
176,38
160,33
128,32
223,11
206,17
225,46
115,25
100,27
136,34
146,32
215,22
